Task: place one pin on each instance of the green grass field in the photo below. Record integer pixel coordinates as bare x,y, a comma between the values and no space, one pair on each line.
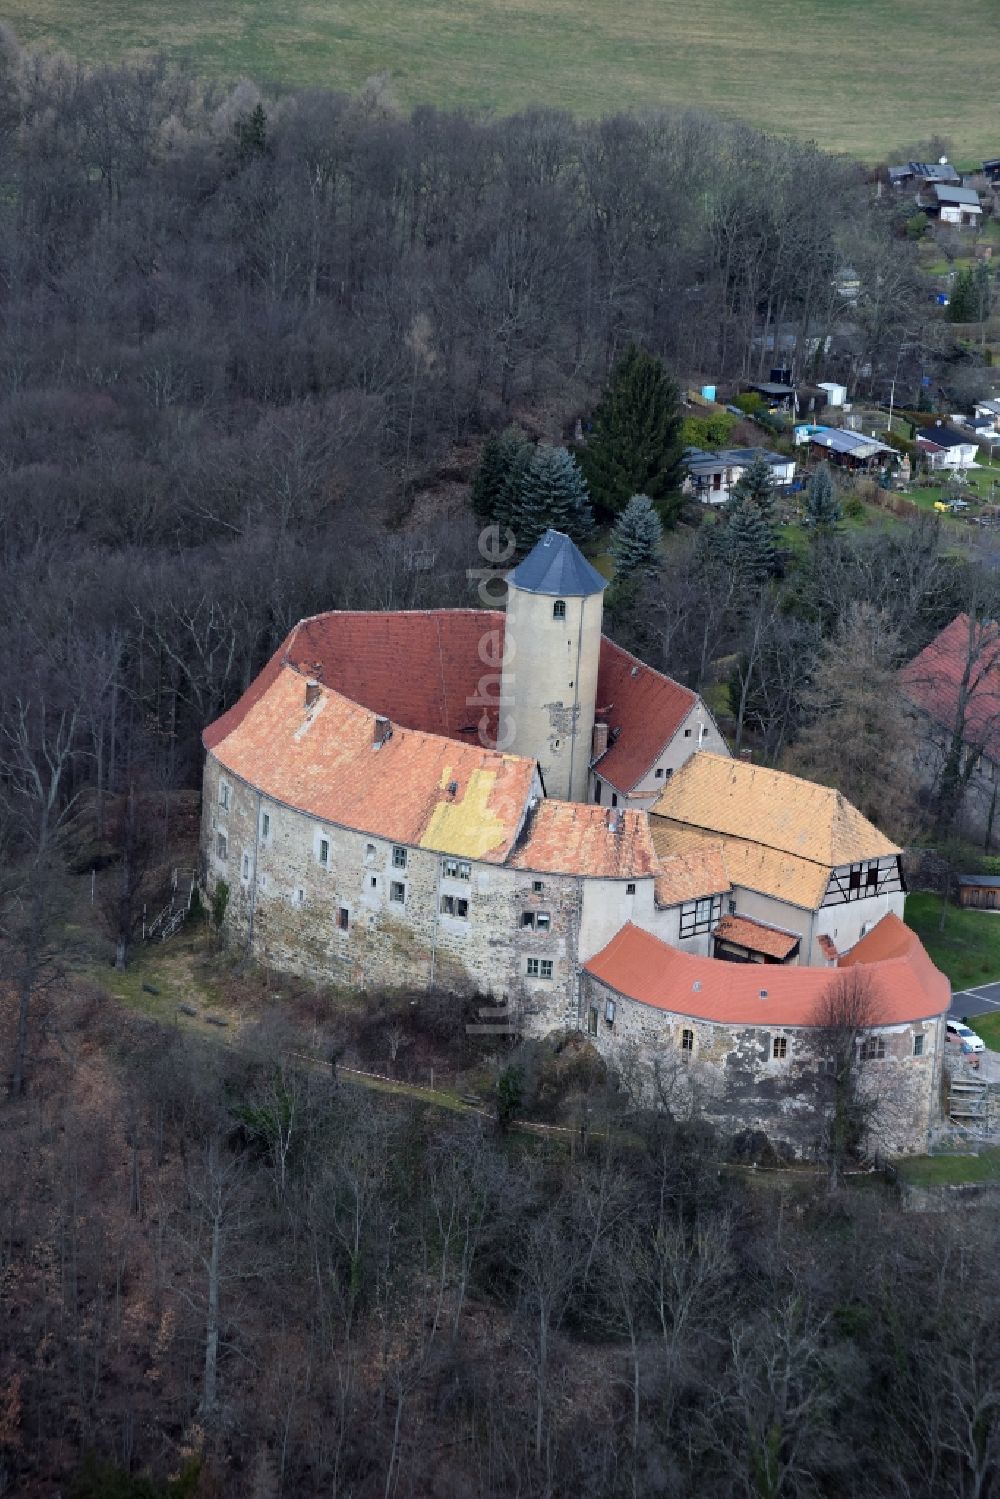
967,950
865,76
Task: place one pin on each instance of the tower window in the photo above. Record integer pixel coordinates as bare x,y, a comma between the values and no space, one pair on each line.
559,609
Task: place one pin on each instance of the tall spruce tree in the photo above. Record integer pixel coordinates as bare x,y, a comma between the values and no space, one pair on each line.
746,542
756,485
636,444
636,536
504,457
550,491
822,510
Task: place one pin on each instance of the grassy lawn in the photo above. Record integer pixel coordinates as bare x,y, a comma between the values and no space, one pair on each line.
949,1170
967,950
848,76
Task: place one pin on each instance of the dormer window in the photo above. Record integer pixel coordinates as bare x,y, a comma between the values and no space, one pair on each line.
559,609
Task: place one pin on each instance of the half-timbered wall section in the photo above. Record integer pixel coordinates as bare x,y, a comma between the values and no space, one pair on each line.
862,881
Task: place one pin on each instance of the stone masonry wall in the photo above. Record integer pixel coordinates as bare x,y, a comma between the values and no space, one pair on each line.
286,906
731,1077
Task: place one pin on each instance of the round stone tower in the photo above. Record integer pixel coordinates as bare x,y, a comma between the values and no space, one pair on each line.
552,645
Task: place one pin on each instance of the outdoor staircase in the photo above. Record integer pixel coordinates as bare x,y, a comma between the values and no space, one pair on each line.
170,920
969,1103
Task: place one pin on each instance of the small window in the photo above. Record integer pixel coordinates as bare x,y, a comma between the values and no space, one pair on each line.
597,792
246,866
592,1021
399,858
457,869
687,733
528,919
614,799
263,881
224,794
659,772
221,846
609,1012
731,906
871,877
918,1046
343,918
630,888
559,609
455,905
373,881
537,886
539,968
542,921
397,891
873,1049
687,1041
324,852
298,896
779,1048
265,825
369,852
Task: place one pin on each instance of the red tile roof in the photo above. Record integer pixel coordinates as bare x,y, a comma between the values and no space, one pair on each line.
423,669
961,661
905,983
574,838
645,705
755,935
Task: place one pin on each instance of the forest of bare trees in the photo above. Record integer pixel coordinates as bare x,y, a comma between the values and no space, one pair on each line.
255,1281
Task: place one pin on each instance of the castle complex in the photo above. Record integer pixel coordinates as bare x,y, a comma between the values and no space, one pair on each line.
508,801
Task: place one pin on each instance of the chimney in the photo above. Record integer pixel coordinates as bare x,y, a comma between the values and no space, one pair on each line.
600,740
381,732
312,691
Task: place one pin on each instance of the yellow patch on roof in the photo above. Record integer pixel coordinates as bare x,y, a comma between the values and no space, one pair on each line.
770,808
469,827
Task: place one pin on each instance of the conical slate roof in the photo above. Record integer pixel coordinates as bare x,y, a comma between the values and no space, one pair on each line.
555,565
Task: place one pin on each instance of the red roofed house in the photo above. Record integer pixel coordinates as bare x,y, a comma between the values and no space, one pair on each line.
954,684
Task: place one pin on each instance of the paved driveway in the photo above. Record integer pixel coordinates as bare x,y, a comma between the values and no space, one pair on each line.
984,1000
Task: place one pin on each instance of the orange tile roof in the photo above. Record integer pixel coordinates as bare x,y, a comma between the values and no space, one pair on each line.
423,668
800,882
323,761
758,937
687,876
769,807
576,838
905,984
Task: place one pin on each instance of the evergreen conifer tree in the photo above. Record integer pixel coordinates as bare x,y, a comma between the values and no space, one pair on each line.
504,456
746,541
822,511
635,538
550,491
755,484
636,444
